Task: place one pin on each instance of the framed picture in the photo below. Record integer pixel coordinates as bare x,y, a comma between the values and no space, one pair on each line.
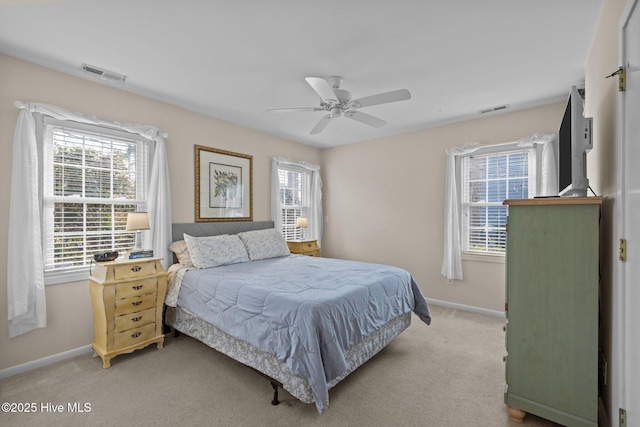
224,185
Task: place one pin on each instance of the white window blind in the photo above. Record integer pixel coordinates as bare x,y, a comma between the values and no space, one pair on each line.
487,180
93,176
295,187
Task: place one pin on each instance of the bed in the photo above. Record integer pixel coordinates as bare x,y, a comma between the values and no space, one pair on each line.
303,322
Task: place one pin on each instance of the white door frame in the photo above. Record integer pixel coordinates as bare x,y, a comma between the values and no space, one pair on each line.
625,373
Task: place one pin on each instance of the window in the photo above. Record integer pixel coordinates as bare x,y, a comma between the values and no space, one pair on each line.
295,186
487,180
92,177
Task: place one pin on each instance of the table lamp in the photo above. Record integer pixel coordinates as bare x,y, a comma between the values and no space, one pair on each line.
137,221
301,222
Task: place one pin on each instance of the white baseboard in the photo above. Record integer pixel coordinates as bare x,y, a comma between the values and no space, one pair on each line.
15,370
471,308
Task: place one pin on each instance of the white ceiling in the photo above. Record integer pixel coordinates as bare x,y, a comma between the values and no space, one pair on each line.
232,59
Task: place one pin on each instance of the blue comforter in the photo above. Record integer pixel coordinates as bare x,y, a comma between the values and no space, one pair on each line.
306,311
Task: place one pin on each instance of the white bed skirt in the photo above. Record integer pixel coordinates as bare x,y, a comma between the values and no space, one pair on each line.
189,324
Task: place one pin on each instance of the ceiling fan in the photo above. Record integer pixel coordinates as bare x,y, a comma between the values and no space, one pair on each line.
338,103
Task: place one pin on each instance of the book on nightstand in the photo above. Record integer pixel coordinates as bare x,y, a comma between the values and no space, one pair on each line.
146,253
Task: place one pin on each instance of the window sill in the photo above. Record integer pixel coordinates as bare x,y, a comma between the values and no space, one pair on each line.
56,278
472,256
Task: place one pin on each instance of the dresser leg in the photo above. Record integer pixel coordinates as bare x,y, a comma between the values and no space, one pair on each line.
515,414
106,362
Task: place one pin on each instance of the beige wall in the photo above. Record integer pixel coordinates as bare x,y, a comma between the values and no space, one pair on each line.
385,202
69,316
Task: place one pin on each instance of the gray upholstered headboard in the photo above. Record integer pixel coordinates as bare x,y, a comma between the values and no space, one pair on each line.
199,229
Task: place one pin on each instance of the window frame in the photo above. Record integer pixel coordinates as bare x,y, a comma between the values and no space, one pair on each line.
464,204
288,227
143,169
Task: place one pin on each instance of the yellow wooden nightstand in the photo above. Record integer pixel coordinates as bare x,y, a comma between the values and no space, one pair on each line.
127,297
304,247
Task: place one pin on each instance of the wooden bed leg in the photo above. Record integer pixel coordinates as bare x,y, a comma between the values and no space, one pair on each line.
275,400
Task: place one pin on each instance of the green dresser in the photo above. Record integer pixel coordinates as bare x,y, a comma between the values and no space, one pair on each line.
552,268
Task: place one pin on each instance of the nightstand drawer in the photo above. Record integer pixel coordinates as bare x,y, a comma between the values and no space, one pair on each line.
133,270
312,253
134,304
136,287
303,246
134,336
135,320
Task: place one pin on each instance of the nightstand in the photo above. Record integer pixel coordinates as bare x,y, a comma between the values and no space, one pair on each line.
304,247
127,297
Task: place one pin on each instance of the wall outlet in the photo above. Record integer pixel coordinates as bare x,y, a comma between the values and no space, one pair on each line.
450,282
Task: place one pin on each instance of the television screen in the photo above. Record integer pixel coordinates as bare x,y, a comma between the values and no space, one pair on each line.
564,150
574,141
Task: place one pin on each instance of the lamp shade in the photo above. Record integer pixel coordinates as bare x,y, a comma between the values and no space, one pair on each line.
137,221
301,222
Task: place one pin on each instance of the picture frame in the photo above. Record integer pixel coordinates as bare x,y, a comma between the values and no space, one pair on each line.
223,185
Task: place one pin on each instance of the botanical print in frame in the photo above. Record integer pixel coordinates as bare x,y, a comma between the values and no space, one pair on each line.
224,185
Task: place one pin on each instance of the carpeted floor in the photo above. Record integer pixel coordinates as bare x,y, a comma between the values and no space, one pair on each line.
448,374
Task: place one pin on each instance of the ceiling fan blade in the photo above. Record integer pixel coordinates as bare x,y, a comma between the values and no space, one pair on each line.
367,119
381,98
322,88
321,124
285,110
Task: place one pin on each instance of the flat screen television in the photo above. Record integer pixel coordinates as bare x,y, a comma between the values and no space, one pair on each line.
574,141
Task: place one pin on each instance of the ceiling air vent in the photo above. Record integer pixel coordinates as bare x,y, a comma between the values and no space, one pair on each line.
493,109
102,74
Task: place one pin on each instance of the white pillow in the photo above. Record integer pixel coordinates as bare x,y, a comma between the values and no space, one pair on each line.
179,248
262,244
213,251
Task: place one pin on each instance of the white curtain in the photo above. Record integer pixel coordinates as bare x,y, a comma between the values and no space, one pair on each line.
546,169
25,270
546,185
159,204
452,259
314,215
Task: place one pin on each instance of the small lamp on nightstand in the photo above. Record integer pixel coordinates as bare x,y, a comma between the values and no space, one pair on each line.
137,221
301,222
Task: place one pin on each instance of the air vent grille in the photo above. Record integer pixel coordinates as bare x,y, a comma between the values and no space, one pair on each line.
103,74
493,109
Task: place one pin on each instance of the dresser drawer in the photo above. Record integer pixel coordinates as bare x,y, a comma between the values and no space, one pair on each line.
135,320
312,253
133,270
135,304
136,288
134,336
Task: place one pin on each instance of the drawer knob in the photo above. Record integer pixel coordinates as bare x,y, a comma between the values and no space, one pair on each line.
137,288
136,268
136,334
136,303
137,319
